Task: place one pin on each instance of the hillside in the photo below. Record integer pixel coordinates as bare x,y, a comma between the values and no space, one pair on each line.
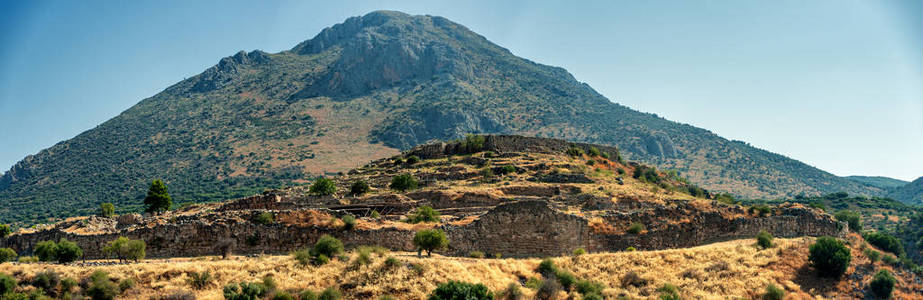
359,91
910,193
503,202
879,181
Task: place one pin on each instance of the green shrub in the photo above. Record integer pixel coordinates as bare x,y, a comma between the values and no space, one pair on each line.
594,151
349,222
851,218
126,249
303,256
363,256
635,228
126,284
873,255
512,292
773,292
199,280
320,260
158,199
375,214
605,155
886,242
403,182
547,268
412,159
829,257
330,294
882,284
593,296
579,252
323,187
68,284
68,251
245,291
575,151
630,249
307,295
764,239
7,254
507,169
668,292
589,287
423,214
47,281
264,218
392,262
328,246
461,290
889,259
476,254
429,240
106,210
100,287
473,143
28,259
761,210
534,283
548,290
566,279
359,187
7,284
282,295
46,251
590,162
5,230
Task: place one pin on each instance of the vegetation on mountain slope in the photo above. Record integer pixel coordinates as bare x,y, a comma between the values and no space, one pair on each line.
879,181
358,91
909,193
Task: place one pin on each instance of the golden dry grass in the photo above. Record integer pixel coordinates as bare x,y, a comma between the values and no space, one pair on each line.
716,271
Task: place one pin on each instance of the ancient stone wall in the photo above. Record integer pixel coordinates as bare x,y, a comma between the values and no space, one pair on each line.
507,143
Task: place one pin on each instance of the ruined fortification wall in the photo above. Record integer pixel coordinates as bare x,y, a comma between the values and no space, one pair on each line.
506,143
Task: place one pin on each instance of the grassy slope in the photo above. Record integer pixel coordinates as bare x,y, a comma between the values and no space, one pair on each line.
716,271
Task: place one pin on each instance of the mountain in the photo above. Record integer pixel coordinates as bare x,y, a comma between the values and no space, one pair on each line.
358,91
911,193
878,181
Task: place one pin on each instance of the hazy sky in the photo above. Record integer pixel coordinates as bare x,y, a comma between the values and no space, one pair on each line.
835,84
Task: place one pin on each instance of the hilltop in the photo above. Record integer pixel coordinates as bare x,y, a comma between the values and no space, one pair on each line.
503,202
910,193
361,90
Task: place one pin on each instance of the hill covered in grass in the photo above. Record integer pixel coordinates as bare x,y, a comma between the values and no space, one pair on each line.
358,91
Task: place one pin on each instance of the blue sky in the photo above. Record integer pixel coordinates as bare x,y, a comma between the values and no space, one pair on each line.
835,84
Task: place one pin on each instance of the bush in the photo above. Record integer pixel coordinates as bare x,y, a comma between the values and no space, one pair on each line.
594,151
363,256
126,284
330,294
282,295
429,240
46,250
126,249
773,292
106,210
392,262
47,281
566,279
403,182
323,187
7,254
589,287
507,169
873,255
412,159
245,291
359,187
889,260
5,230
635,228
375,214
68,284
851,218
7,284
476,254
264,218
829,257
579,252
886,242
512,292
328,246
761,210
423,214
882,284
461,290
158,199
307,295
534,283
199,280
669,292
303,256
548,290
349,222
547,268
764,239
101,287
473,143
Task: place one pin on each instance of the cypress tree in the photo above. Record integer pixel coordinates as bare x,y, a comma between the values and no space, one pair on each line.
157,200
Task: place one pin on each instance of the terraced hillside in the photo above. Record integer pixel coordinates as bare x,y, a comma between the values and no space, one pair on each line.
356,92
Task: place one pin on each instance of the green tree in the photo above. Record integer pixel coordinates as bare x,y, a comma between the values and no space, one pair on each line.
829,257
359,187
764,239
7,284
68,251
46,250
429,240
851,218
158,199
323,187
882,284
886,242
423,213
126,249
403,182
5,230
106,209
458,290
7,254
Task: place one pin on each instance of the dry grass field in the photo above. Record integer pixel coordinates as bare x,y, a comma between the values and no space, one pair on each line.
726,270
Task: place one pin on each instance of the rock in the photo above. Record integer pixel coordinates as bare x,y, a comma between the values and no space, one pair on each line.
127,220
